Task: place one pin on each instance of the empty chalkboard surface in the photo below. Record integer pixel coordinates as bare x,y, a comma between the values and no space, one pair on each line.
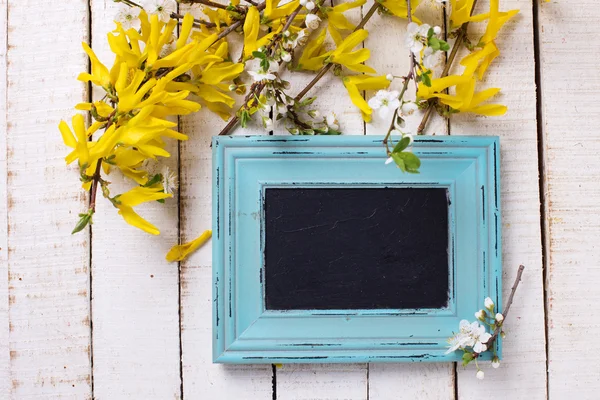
356,248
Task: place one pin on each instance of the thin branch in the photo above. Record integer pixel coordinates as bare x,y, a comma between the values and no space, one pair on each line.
498,329
197,22
206,3
327,67
237,24
462,35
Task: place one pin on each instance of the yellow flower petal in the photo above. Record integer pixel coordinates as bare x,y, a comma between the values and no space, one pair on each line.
181,251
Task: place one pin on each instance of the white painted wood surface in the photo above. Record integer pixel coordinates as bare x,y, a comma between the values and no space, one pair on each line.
571,115
48,268
4,329
149,327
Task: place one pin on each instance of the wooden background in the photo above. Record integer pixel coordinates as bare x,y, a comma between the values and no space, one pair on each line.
102,315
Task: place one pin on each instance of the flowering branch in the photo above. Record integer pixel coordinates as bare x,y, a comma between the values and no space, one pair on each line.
376,6
504,314
462,35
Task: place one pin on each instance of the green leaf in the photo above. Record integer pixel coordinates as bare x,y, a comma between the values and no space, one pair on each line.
84,220
259,54
434,43
411,162
430,32
467,358
399,161
444,45
153,181
426,79
402,144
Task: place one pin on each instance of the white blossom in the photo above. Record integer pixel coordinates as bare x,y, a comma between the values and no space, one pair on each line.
267,123
471,335
389,77
310,6
413,39
286,57
480,374
480,315
385,101
499,317
495,362
169,180
303,2
332,122
162,8
128,17
261,76
437,30
488,303
409,108
312,21
431,58
389,160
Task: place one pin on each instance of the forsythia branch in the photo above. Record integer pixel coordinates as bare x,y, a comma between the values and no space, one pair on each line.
462,35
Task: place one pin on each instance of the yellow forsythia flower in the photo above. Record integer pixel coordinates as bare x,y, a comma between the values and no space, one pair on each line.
274,12
252,31
337,20
352,60
181,251
357,83
100,75
399,8
465,99
314,54
461,13
136,196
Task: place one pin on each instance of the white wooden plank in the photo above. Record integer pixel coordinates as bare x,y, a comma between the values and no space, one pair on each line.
522,374
135,300
201,378
4,331
571,115
390,55
48,268
326,381
322,381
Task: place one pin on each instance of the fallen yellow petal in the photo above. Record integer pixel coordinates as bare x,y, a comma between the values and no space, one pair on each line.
181,251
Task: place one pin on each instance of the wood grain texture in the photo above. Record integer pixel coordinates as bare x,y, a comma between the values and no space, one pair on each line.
48,268
522,374
135,301
571,114
4,325
201,378
390,55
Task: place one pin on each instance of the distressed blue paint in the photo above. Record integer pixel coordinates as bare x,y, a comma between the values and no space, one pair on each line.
244,332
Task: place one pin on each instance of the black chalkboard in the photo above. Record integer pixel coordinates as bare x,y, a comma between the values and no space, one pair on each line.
356,248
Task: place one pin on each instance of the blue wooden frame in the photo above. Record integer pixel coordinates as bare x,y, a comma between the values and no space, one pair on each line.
244,332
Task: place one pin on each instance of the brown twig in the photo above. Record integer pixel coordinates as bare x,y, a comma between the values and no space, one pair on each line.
462,35
197,22
237,24
505,311
206,3
327,67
